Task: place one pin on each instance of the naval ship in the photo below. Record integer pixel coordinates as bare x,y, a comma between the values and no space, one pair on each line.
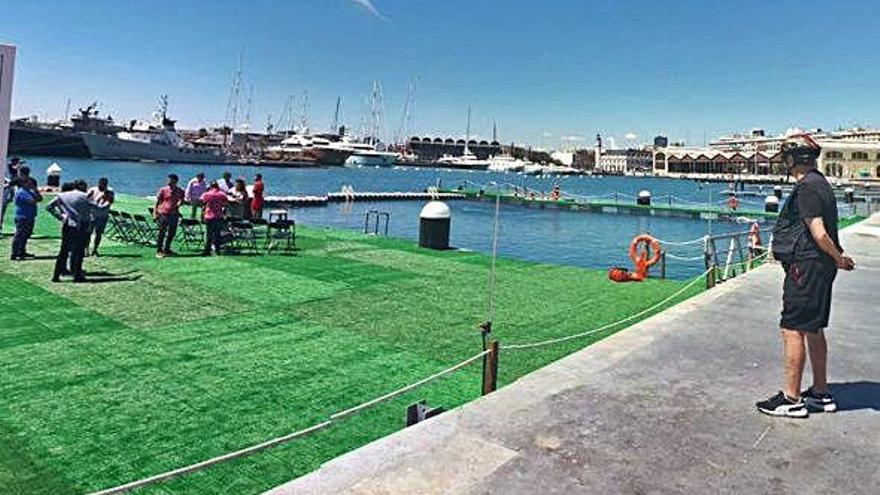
151,142
31,137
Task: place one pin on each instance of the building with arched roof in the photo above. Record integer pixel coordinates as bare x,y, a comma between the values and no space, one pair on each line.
431,149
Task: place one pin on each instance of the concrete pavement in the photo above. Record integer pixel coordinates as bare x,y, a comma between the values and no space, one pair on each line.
666,406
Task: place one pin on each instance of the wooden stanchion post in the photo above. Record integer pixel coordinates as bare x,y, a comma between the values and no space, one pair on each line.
490,368
710,277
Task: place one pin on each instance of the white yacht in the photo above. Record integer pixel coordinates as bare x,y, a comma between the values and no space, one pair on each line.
306,147
533,169
366,155
560,170
506,163
467,160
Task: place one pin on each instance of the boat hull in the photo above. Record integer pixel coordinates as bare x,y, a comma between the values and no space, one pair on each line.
329,156
463,166
112,148
25,140
371,160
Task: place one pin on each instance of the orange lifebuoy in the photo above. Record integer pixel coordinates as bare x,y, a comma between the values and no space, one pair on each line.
733,203
649,256
649,242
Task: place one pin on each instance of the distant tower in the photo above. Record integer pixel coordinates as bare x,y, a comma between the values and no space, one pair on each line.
598,159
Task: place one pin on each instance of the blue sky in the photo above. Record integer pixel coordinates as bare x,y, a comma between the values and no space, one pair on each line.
541,69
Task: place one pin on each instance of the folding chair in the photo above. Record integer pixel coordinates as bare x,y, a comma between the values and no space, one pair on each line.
281,233
243,236
132,229
119,228
193,233
147,229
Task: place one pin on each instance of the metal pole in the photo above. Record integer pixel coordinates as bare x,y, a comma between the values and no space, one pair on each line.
662,264
492,275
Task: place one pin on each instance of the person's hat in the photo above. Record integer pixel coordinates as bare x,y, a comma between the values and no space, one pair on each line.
16,160
800,149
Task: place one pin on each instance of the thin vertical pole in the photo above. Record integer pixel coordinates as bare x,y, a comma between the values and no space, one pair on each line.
492,275
662,264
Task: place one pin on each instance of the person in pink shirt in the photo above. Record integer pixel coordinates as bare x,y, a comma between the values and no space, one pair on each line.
167,214
214,202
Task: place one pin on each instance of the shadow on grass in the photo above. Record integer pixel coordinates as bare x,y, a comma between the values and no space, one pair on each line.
104,280
852,396
119,256
108,274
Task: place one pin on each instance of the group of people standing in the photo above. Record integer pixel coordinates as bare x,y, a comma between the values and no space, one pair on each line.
212,203
83,213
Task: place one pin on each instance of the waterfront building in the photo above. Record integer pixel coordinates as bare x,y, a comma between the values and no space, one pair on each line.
584,159
625,161
846,154
840,158
432,149
621,161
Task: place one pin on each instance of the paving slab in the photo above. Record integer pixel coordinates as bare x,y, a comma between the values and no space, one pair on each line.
666,406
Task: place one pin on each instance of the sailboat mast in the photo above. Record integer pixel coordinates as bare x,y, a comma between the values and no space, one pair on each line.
467,134
376,110
335,127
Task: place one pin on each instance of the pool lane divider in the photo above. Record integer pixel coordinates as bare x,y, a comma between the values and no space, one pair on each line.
696,211
342,197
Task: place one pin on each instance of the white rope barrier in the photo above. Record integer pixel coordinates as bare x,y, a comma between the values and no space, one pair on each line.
285,438
698,240
609,325
685,258
210,462
403,390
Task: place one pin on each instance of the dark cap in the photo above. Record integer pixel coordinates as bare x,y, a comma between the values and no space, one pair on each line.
800,149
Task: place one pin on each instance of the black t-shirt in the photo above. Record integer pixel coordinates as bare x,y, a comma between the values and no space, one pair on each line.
815,198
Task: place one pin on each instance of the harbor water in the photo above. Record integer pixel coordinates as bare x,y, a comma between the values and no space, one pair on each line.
576,238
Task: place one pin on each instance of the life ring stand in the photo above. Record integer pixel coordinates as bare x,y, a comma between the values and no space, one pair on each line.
643,260
652,247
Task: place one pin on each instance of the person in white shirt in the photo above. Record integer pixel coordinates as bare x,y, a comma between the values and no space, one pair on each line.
193,192
226,184
102,196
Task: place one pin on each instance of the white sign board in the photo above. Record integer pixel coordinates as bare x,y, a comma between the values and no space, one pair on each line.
7,68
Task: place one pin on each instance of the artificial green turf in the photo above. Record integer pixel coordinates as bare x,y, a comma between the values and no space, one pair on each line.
850,220
106,383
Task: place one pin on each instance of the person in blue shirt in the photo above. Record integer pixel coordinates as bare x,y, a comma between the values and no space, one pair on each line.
26,198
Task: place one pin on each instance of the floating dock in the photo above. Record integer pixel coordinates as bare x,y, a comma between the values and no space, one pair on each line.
702,212
354,196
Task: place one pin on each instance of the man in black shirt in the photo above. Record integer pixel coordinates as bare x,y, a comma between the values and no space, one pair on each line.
811,254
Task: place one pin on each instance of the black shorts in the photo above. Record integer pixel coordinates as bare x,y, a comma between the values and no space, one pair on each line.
806,294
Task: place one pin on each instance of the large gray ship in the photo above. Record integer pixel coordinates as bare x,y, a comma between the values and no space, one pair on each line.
31,137
151,142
